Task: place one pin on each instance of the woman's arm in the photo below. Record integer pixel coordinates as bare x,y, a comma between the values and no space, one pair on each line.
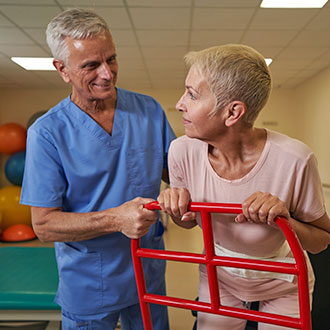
314,236
263,207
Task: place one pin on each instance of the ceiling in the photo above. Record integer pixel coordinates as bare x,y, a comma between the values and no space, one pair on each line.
152,37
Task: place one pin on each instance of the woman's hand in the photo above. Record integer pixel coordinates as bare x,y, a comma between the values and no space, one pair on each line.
262,207
175,203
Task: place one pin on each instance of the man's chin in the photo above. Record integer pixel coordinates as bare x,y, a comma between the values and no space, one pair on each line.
104,94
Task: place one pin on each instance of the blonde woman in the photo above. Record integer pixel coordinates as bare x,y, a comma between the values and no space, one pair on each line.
224,158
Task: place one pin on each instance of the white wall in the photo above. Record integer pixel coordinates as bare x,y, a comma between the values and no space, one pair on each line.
279,113
313,104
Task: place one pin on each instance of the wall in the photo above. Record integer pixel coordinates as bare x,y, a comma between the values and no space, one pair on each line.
18,105
312,99
279,113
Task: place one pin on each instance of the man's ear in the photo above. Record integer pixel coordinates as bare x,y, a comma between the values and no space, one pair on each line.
61,69
235,111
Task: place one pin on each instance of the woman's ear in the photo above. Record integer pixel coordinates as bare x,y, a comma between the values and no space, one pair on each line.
61,69
235,111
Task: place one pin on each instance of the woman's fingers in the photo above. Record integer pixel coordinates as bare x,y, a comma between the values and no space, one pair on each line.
263,207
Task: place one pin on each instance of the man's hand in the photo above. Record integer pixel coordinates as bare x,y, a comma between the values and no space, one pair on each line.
134,219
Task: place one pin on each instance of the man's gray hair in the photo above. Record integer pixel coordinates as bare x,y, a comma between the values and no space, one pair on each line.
234,73
73,23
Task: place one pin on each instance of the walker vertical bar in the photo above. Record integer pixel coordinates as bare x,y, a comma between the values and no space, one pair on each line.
303,286
209,253
141,286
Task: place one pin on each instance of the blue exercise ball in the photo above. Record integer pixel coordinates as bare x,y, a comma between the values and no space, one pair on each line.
14,168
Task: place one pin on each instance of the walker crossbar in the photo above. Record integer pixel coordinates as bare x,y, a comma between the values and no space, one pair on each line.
298,268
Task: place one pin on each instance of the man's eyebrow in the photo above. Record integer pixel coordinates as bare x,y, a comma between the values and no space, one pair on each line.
83,65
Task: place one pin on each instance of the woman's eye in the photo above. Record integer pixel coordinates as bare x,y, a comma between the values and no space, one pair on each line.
192,96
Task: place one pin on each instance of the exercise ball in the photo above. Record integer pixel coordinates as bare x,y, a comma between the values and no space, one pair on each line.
12,211
14,168
34,117
12,138
18,233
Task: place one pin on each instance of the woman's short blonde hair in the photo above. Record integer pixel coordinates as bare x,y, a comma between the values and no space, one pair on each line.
234,73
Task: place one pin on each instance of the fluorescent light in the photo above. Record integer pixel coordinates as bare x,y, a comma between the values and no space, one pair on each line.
268,61
293,3
35,63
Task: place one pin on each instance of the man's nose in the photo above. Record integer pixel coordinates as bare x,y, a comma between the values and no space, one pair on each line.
105,71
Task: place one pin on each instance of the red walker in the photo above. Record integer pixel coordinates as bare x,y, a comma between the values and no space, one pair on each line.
211,261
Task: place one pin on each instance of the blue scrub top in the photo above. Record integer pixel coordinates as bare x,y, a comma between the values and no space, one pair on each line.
73,163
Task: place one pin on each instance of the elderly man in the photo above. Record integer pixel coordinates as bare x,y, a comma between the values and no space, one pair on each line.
92,162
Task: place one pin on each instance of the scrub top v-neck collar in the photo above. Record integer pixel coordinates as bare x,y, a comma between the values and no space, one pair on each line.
97,130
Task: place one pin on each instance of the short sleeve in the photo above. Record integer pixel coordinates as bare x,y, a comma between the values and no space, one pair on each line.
176,172
44,183
308,196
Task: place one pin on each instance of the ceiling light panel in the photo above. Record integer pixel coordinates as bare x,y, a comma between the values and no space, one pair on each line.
293,3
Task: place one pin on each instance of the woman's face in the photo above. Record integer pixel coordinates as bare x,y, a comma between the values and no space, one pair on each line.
196,104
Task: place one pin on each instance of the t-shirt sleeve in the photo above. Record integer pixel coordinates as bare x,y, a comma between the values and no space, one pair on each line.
308,199
44,183
175,166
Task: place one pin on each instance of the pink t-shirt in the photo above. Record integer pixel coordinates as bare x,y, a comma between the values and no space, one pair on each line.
287,168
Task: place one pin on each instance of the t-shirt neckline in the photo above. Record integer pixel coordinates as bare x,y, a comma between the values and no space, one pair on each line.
247,176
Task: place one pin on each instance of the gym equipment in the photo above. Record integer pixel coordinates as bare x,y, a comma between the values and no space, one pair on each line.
298,268
18,233
28,285
12,211
14,168
12,138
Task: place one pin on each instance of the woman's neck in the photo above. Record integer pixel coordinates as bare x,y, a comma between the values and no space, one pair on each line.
232,157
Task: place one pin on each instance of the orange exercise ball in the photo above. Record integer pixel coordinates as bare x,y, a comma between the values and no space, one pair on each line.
18,233
12,211
12,138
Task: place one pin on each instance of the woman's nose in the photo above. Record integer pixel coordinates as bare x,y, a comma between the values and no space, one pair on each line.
180,106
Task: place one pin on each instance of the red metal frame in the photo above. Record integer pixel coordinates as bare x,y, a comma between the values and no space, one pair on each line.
298,268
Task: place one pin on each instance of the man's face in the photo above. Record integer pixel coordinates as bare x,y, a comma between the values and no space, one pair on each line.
91,68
